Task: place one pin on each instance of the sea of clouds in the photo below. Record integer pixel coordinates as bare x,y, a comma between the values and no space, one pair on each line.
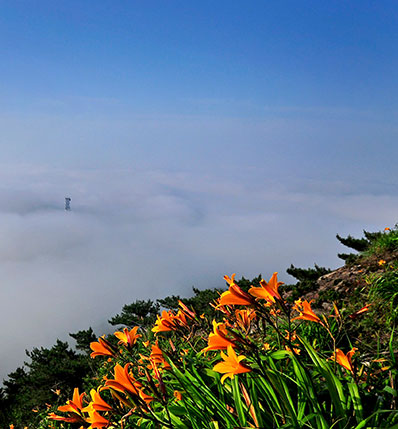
138,234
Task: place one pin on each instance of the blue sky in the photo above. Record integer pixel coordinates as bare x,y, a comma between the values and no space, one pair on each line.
200,57
316,65
276,53
195,139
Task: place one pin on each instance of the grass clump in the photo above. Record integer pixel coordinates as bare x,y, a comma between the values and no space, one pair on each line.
383,290
373,244
383,242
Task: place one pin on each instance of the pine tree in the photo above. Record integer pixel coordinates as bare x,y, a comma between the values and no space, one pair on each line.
358,244
138,313
307,279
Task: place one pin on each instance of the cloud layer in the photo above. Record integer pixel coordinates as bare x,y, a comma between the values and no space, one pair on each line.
147,234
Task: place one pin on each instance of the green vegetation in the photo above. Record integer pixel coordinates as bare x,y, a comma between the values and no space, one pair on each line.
307,280
256,356
373,244
139,313
27,390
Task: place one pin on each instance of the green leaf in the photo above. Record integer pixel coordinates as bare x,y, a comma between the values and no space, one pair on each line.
356,400
389,389
280,354
238,401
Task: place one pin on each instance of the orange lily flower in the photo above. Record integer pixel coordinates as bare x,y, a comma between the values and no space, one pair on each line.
344,360
267,291
291,337
230,280
218,340
177,395
231,365
182,315
72,419
101,348
361,311
97,403
146,398
170,321
123,381
295,350
382,262
157,356
75,405
306,313
244,318
164,323
235,295
180,319
186,310
128,338
96,420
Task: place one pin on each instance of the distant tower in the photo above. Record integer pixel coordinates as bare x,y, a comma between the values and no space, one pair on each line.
67,203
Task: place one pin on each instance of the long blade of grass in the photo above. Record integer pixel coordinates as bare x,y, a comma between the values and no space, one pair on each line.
238,402
333,384
356,401
203,397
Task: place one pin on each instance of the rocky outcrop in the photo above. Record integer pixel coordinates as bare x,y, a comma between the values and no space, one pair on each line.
343,282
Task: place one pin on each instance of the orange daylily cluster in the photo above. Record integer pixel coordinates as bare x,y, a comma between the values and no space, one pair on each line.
234,335
76,411
236,296
244,319
128,338
123,386
169,321
291,337
104,348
